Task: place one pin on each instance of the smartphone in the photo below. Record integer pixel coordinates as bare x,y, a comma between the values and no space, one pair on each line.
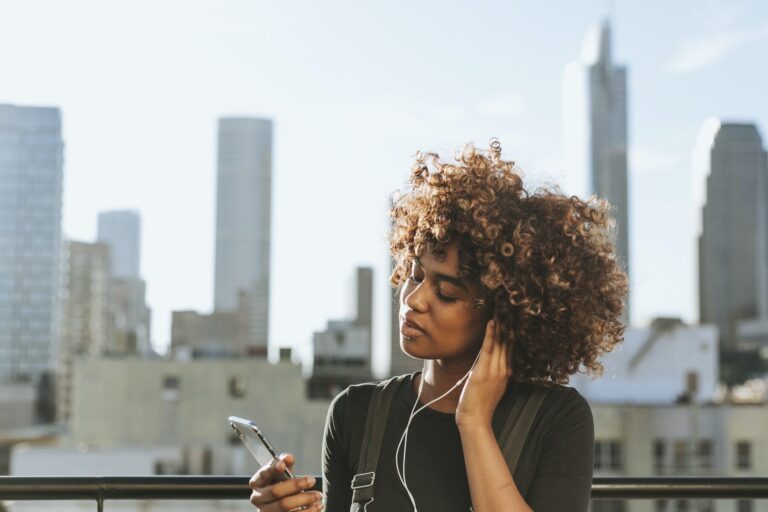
257,444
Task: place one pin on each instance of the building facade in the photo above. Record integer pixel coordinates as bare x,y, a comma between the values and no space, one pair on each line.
85,327
31,173
219,334
734,228
342,352
185,404
243,220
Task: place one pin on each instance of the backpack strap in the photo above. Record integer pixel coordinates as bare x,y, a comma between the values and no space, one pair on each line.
375,424
518,424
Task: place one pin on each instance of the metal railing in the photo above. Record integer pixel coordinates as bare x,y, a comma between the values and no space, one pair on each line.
236,488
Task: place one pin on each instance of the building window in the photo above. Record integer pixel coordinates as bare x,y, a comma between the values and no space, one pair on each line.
608,455
744,506
238,386
743,455
609,506
171,387
661,506
681,506
680,455
659,459
704,454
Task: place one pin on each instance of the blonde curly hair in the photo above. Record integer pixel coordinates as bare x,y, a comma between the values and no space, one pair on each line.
545,261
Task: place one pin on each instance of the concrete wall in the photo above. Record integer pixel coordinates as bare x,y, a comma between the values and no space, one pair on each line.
132,402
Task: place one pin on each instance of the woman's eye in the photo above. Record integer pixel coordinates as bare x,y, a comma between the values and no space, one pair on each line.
439,294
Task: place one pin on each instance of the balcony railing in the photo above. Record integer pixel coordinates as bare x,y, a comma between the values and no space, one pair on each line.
100,489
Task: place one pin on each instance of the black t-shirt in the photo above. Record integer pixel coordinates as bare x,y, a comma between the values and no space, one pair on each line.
554,472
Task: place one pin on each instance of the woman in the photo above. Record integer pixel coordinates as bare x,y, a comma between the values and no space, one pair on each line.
500,289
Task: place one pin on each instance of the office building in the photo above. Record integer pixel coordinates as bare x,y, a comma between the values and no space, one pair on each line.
31,168
734,226
595,137
243,221
85,327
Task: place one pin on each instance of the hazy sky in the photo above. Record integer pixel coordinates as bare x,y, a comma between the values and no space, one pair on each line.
355,88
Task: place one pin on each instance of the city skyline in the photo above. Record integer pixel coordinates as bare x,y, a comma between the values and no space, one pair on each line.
337,129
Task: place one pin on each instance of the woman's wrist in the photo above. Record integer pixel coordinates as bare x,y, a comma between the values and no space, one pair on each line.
471,426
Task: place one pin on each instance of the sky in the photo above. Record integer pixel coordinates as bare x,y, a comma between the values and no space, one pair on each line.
355,89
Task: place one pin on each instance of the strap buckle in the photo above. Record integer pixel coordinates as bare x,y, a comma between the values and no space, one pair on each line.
362,480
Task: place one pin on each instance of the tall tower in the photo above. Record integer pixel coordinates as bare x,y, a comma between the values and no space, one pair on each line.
243,221
121,230
595,137
129,316
732,243
31,171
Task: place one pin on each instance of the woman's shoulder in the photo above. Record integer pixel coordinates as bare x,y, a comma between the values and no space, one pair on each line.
357,396
562,404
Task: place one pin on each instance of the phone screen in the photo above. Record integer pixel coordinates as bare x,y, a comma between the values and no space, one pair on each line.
256,443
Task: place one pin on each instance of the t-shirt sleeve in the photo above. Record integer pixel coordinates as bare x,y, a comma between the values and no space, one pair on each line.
563,479
337,494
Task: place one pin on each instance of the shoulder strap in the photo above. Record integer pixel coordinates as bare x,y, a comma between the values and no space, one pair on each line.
375,424
518,424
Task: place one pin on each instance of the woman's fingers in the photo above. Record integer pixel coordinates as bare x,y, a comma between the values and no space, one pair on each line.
490,335
271,473
286,495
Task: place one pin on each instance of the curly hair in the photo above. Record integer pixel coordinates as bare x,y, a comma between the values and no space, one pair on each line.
545,261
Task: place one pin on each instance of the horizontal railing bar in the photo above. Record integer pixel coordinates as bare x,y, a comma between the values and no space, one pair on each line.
236,487
124,487
679,487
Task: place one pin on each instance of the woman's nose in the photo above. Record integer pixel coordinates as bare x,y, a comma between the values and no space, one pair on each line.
414,298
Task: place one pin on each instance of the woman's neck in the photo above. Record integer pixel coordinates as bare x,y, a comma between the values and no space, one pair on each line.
439,376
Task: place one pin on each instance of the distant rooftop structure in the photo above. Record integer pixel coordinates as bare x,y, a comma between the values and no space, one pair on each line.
665,362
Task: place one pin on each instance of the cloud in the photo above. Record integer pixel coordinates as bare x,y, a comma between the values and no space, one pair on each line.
694,55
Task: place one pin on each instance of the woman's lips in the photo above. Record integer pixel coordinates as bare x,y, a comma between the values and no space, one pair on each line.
410,332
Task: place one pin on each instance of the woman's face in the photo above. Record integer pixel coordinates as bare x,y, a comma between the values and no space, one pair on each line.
443,306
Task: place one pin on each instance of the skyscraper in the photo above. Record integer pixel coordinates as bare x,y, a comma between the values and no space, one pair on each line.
595,137
129,316
243,221
121,230
734,220
31,171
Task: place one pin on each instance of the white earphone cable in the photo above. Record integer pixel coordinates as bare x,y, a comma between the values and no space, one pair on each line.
414,411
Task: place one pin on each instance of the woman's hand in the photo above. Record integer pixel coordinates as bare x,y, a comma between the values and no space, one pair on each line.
271,494
487,381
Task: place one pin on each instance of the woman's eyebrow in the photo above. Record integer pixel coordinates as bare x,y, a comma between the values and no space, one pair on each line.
454,280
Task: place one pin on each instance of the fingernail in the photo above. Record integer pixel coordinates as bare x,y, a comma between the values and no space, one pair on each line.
309,481
280,466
